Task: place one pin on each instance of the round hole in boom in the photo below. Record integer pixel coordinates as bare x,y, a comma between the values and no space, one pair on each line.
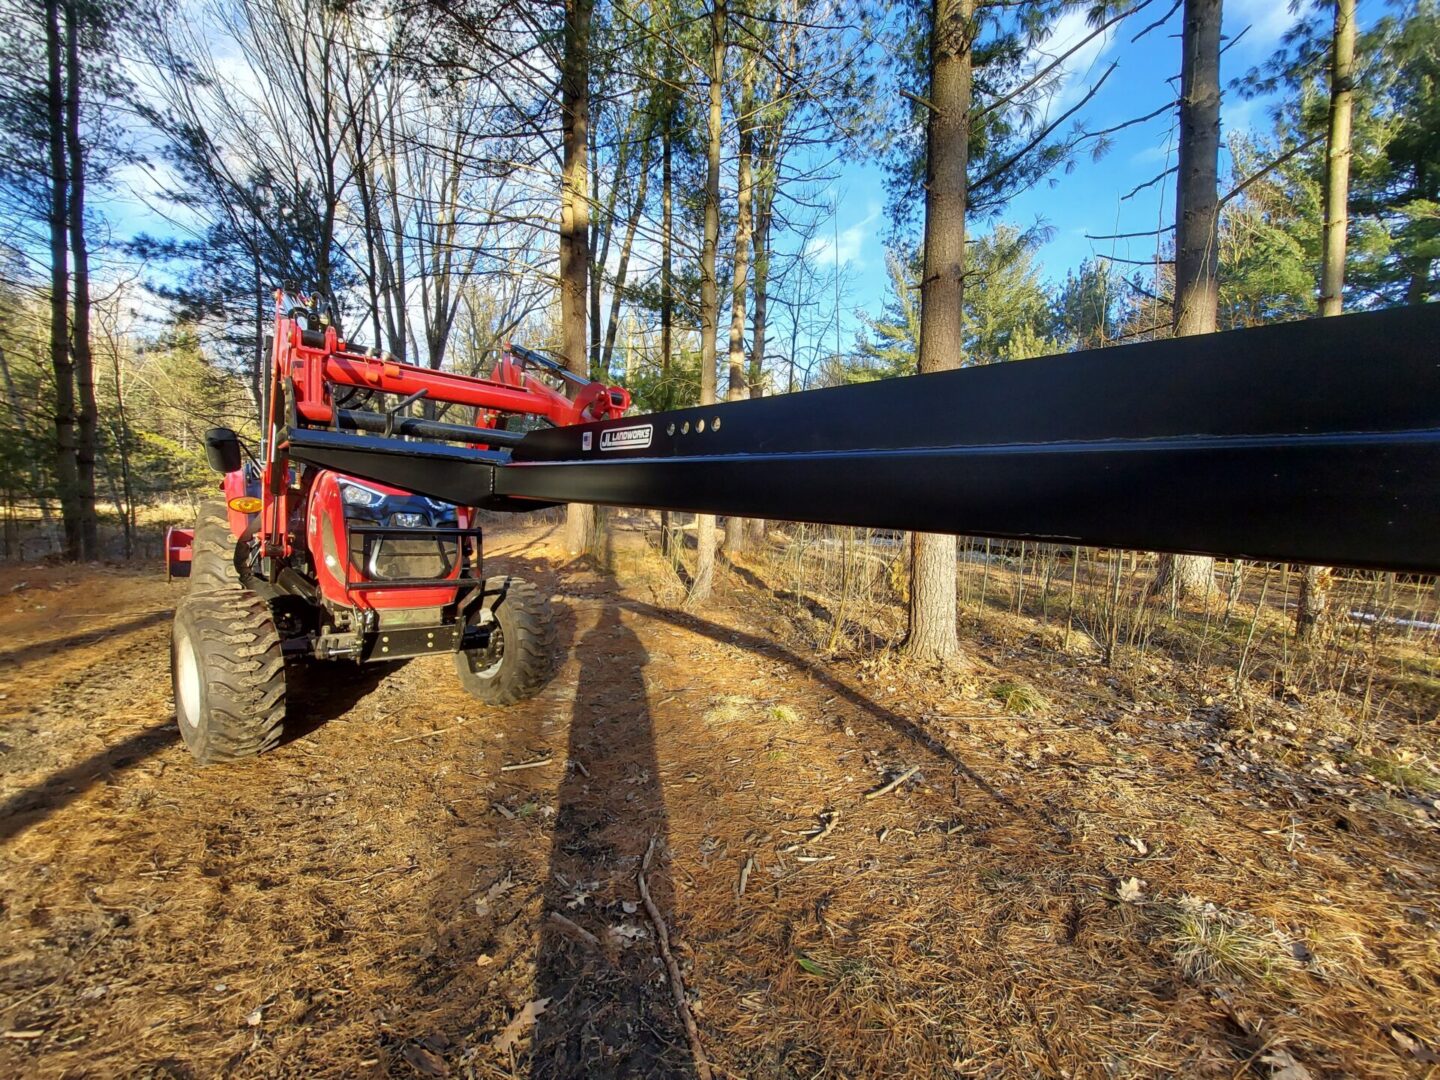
700,426
670,430
715,424
685,428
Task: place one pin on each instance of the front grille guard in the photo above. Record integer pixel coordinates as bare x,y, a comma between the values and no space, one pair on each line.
467,545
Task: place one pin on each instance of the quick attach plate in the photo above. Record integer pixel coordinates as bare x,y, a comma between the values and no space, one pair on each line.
401,644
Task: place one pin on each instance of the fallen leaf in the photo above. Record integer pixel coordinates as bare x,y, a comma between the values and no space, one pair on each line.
255,1017
1130,891
499,889
808,965
426,1062
1285,1066
1135,842
523,1022
623,934
484,959
1418,1049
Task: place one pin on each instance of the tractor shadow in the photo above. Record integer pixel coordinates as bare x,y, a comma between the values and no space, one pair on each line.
565,839
318,691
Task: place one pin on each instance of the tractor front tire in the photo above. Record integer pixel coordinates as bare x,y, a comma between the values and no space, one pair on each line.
515,663
228,673
212,558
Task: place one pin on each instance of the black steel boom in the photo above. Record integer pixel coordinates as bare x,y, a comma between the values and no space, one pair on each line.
1314,441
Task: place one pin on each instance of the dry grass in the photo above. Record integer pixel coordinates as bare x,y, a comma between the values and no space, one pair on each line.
1214,945
965,924
1018,697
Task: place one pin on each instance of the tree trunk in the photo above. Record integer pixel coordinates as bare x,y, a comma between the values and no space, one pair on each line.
667,296
122,444
1337,160
709,286
1197,215
622,268
80,322
1315,581
739,388
575,227
932,634
602,224
764,197
66,465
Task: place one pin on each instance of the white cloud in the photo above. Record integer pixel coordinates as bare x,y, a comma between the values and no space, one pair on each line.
1075,70
1155,154
847,248
1246,114
1267,20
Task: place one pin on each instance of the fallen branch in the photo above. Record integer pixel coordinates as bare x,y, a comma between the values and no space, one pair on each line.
745,874
426,734
893,784
527,765
831,820
574,928
677,984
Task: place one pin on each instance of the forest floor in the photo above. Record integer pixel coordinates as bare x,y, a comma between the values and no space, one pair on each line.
1087,871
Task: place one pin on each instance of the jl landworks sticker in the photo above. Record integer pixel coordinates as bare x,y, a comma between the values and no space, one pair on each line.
636,437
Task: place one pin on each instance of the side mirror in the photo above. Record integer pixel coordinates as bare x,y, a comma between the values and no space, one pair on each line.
222,449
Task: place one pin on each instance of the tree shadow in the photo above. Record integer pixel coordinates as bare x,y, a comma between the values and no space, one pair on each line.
901,725
58,790
866,637
610,1013
80,640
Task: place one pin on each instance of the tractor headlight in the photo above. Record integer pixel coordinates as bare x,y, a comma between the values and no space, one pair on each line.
409,521
356,495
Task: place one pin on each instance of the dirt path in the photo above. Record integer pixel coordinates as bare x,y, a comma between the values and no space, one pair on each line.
374,900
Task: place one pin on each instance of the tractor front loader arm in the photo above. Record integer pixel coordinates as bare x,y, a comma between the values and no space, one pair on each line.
1314,441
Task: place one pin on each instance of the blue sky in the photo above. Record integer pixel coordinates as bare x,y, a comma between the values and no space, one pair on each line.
1088,199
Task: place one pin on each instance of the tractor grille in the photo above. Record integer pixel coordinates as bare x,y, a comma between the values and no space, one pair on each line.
389,557
392,558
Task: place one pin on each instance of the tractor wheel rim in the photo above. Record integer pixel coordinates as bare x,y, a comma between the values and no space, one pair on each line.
485,663
187,684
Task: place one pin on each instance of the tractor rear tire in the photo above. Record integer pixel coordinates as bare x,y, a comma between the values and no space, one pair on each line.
212,558
516,663
228,673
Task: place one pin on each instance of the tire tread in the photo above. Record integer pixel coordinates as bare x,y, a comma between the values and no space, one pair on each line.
243,670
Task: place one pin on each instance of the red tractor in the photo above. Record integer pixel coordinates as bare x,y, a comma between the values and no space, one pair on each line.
302,561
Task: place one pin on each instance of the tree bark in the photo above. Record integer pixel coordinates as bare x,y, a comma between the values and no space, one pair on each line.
932,633
1197,216
739,387
575,226
1315,581
709,287
66,465
80,351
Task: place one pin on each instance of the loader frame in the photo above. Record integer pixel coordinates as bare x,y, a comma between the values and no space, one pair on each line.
1315,441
